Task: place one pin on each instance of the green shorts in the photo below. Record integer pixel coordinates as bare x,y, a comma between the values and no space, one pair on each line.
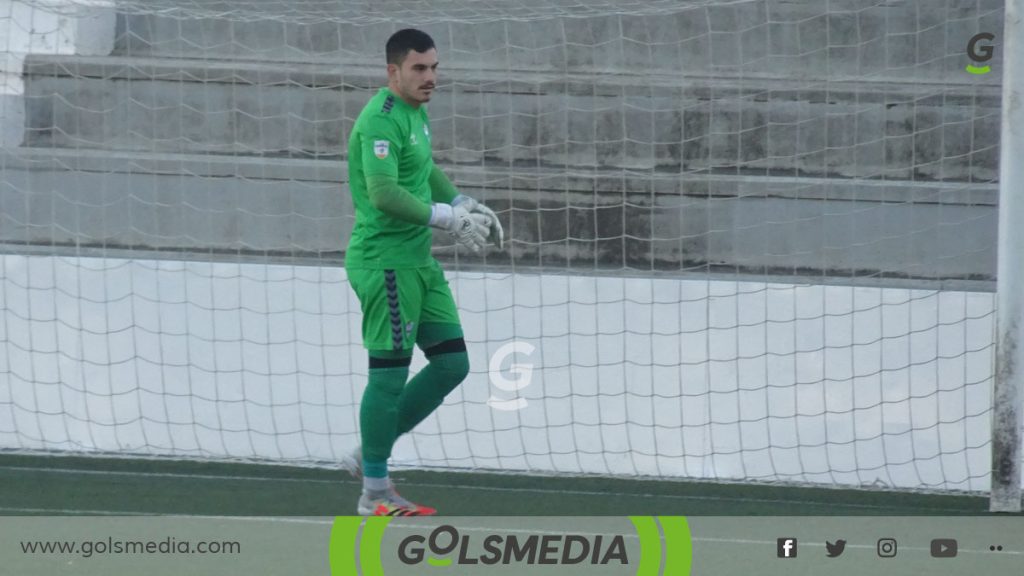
396,303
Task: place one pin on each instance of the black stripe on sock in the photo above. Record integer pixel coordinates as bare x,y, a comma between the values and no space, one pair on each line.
446,347
390,362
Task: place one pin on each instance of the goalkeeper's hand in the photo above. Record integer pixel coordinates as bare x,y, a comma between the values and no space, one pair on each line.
495,233
469,230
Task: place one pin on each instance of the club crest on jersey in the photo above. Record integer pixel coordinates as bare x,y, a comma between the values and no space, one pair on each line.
381,148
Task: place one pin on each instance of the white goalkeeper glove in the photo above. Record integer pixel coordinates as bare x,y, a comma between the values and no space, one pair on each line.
495,233
469,230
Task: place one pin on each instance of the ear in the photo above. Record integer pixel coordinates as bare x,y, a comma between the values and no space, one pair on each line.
392,70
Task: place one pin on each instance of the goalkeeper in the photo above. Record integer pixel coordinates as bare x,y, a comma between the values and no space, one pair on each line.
399,195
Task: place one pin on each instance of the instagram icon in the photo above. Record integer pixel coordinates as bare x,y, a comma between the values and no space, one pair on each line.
886,547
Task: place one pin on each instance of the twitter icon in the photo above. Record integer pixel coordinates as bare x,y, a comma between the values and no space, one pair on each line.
834,550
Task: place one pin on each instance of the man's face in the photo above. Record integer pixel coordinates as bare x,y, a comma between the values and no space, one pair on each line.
416,78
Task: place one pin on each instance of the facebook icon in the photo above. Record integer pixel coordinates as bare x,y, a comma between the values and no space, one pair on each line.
786,547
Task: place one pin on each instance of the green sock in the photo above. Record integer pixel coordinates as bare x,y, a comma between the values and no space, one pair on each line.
378,411
426,391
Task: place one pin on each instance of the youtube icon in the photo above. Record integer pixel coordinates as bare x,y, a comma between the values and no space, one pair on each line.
943,548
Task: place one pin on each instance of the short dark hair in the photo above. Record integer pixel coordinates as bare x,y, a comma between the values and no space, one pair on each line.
403,41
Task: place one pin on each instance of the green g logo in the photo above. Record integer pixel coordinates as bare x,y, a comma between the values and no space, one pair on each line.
980,54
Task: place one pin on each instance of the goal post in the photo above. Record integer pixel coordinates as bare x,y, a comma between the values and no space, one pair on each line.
1007,421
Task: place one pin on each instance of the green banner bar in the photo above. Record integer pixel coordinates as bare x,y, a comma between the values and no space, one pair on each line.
650,545
370,545
512,546
342,548
678,545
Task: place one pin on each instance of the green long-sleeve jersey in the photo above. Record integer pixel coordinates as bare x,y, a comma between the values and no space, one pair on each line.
393,180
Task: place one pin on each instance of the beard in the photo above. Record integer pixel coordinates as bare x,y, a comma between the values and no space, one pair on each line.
421,92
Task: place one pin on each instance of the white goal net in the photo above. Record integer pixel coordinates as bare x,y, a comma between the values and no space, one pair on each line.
749,240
